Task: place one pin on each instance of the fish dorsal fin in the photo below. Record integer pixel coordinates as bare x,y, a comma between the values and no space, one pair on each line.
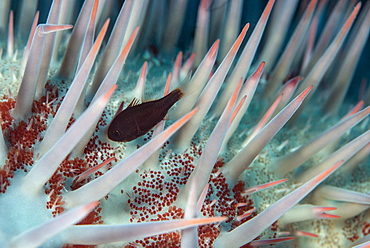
119,110
133,103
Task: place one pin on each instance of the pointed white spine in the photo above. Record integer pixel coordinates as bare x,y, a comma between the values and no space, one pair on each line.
101,186
242,67
102,234
208,95
235,167
38,235
28,86
344,153
42,171
249,230
60,122
291,161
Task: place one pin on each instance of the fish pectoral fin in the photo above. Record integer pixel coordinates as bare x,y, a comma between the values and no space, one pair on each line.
137,127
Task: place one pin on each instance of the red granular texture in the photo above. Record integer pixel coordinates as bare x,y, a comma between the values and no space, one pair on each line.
45,105
224,201
173,213
102,121
238,190
150,201
54,189
207,235
6,104
97,151
52,90
73,167
79,246
365,228
71,121
354,237
196,150
351,227
17,159
180,168
92,218
151,196
21,137
25,134
5,174
274,227
171,239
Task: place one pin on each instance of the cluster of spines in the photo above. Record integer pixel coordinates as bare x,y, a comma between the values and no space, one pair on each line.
24,135
148,202
21,136
154,197
225,201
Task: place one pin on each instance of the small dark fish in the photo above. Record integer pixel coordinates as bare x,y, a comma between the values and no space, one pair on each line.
137,119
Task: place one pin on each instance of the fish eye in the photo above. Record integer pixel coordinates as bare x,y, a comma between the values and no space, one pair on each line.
116,133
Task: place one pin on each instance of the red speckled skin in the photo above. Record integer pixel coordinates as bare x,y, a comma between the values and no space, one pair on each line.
137,120
152,198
